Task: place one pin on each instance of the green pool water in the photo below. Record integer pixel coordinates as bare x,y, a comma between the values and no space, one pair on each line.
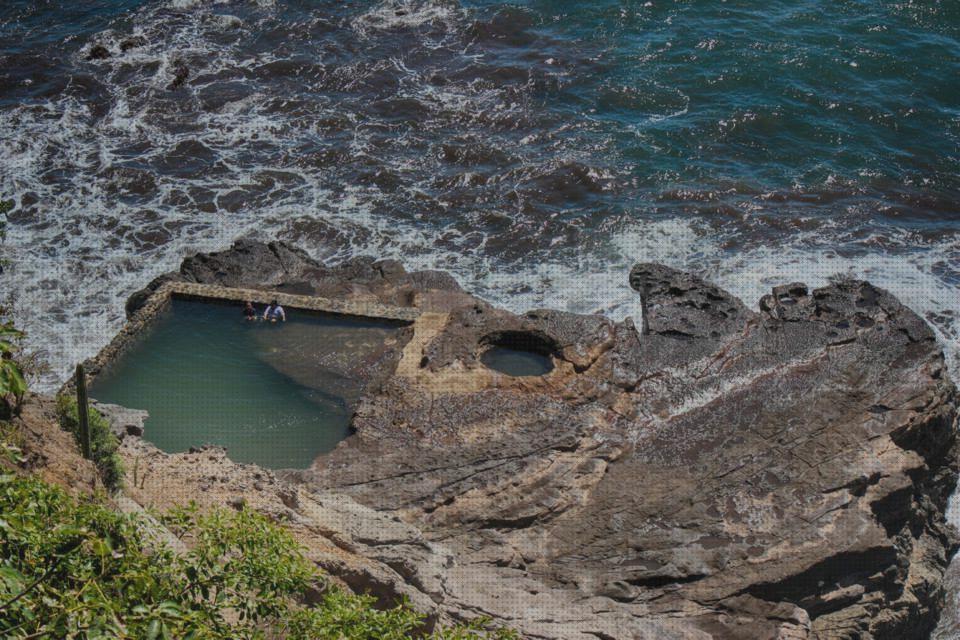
515,362
273,394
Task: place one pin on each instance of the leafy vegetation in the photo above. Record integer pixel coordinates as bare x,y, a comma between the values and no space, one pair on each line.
103,444
13,385
11,444
76,569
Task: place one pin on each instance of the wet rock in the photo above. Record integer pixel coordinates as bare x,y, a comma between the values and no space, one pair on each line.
139,298
180,73
98,52
133,42
279,266
248,264
683,305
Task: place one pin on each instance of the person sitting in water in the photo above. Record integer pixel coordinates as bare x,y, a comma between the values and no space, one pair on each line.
275,312
249,311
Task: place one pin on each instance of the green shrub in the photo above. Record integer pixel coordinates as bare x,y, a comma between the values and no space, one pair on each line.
103,444
12,382
76,569
11,443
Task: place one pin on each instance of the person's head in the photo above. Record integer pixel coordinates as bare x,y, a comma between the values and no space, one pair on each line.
249,304
274,303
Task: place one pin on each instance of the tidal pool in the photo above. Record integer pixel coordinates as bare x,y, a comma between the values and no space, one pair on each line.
516,362
273,394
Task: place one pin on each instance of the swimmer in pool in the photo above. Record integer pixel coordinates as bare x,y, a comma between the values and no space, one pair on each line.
249,311
275,312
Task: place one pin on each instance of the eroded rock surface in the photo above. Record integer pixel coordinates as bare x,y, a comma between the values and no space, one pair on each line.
714,472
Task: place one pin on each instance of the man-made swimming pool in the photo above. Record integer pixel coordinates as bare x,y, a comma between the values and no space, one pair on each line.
273,394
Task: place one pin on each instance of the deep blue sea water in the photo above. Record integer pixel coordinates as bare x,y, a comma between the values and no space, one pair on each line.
534,149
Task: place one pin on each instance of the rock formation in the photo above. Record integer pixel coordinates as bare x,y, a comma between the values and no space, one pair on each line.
715,472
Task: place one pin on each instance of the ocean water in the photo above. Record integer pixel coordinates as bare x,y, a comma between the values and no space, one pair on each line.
534,149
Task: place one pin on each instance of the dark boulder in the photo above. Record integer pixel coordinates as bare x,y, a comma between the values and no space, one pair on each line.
180,73
98,52
133,42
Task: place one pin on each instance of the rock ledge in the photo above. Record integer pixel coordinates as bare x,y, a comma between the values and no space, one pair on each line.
715,473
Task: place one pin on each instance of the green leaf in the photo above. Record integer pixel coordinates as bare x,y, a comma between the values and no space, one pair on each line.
169,607
12,378
153,629
101,548
12,577
19,383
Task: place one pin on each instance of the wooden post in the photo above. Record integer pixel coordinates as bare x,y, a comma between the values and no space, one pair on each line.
82,413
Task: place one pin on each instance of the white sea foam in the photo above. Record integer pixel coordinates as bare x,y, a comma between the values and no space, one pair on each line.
394,14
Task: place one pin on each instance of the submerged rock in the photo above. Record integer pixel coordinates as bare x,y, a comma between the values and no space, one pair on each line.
342,365
718,472
133,42
180,74
98,52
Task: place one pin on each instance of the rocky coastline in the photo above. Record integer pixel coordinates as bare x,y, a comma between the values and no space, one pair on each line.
716,472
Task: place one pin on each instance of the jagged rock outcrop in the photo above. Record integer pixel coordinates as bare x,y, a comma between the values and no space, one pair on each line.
281,267
122,420
715,472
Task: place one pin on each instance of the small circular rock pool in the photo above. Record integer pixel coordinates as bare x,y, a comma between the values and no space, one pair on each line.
516,362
